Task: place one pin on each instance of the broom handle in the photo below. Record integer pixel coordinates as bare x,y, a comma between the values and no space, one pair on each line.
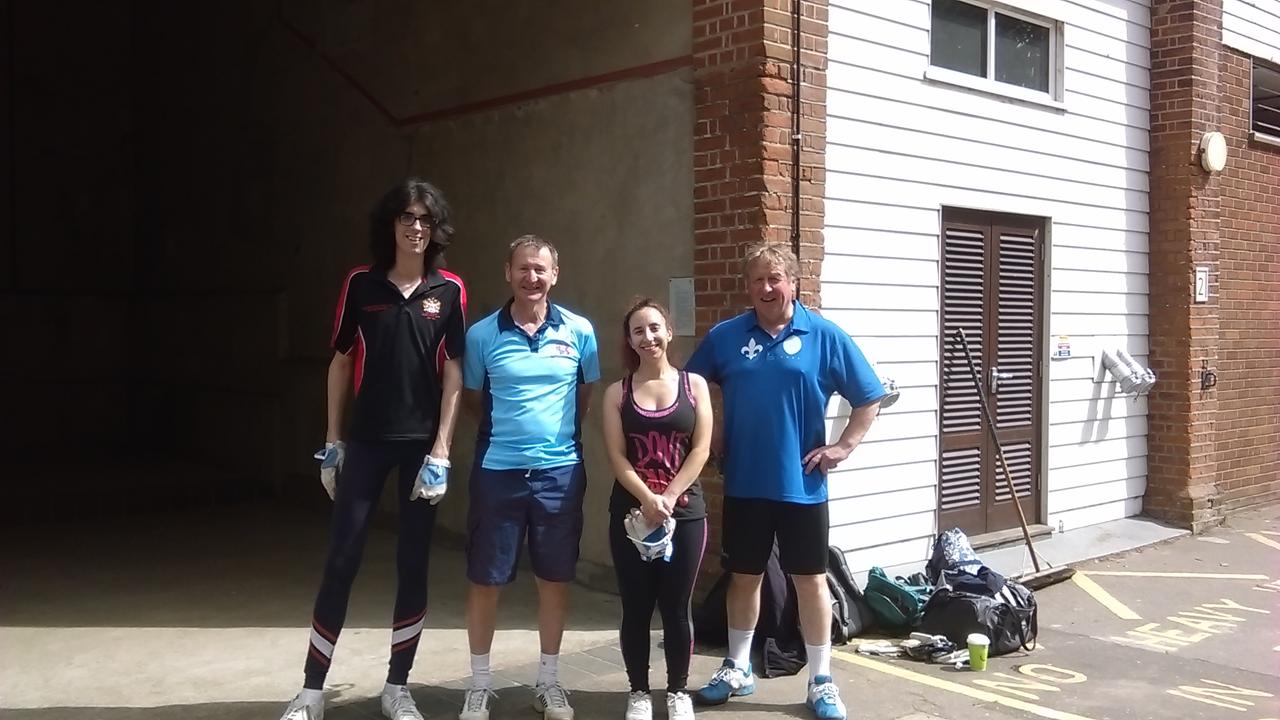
991,427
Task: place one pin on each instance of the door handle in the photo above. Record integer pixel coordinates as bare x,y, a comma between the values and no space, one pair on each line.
996,376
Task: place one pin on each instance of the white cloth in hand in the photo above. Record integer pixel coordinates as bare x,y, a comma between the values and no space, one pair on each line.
433,480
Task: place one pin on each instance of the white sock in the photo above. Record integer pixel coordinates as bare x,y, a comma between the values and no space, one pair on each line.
481,677
311,697
740,647
389,689
548,669
819,660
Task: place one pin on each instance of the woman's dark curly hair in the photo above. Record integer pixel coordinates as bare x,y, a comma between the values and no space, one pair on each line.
382,223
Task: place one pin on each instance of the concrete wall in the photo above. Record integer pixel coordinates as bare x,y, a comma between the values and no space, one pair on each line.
605,175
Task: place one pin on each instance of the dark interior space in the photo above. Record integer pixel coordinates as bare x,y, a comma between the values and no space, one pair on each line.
144,281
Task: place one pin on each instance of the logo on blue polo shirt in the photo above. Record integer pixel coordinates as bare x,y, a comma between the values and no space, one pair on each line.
792,344
751,349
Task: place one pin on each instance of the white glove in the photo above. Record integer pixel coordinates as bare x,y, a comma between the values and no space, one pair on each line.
652,541
331,459
433,480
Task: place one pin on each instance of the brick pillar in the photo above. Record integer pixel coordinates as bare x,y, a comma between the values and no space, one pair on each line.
1186,40
743,155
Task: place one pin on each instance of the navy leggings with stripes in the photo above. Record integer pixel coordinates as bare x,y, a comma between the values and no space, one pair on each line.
669,585
359,487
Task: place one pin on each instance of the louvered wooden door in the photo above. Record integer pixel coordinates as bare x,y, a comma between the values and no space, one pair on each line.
991,289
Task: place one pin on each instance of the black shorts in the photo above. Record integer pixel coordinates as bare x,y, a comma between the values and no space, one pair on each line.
749,528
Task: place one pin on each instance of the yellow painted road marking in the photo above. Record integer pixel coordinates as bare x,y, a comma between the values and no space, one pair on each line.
1108,600
1264,540
1203,576
1269,532
955,687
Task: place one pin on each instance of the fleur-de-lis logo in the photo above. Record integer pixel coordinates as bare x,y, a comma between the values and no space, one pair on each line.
751,349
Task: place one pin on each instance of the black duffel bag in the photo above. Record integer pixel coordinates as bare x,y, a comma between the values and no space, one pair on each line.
1008,619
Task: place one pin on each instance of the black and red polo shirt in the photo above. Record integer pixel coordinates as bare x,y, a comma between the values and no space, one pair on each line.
399,346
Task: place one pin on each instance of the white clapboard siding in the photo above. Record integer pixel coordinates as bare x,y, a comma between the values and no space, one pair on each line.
896,426
1100,472
1081,410
885,349
842,483
1094,514
1096,303
858,297
1252,27
903,246
863,557
1061,500
900,147
1074,433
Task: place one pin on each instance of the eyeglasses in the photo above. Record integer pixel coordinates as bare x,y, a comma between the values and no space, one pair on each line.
407,219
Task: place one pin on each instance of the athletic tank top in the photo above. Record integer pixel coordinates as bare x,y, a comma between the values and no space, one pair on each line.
657,443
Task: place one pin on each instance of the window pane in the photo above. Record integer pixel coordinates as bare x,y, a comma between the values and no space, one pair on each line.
958,37
1022,53
1266,100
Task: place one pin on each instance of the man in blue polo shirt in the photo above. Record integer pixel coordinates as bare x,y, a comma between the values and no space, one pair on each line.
532,364
777,366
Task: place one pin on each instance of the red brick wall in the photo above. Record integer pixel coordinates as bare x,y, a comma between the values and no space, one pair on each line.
743,155
1248,424
1181,451
1214,450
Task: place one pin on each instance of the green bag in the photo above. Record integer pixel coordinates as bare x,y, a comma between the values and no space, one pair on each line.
896,603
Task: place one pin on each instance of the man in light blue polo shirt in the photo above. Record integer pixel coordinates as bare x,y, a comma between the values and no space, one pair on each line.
531,364
777,366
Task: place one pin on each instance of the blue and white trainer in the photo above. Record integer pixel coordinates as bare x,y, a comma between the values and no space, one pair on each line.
824,699
729,681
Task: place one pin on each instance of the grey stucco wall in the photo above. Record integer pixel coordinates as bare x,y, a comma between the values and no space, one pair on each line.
604,174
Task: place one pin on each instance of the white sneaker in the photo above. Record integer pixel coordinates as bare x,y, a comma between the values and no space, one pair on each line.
679,706
400,706
553,702
475,704
639,706
298,710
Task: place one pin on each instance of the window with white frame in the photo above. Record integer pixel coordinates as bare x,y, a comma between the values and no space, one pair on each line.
1265,104
995,44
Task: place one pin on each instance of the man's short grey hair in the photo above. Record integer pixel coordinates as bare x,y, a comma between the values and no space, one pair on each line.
776,255
537,243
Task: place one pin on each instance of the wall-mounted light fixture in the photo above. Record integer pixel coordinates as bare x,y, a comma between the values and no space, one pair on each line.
1213,152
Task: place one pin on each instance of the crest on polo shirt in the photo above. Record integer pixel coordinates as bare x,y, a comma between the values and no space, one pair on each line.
431,308
792,344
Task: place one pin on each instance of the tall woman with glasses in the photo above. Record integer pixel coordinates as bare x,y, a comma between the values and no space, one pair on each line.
657,429
398,338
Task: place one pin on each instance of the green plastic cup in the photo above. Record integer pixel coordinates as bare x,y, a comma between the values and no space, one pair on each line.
979,644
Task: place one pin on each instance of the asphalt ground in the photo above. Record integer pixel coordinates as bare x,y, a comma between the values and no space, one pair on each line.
205,616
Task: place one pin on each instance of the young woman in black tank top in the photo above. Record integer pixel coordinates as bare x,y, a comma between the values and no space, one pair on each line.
657,426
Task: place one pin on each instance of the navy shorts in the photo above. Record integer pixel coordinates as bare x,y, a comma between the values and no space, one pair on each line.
547,503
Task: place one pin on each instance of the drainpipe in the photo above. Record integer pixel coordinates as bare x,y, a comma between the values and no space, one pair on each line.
795,132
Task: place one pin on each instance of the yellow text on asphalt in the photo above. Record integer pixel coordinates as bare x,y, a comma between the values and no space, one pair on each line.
1021,687
1203,621
955,687
1223,695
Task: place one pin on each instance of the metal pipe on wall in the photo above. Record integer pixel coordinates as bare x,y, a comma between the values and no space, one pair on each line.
795,131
